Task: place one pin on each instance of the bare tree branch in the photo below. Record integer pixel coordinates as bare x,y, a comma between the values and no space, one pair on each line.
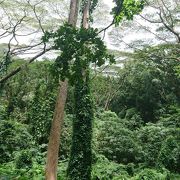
18,69
169,28
151,21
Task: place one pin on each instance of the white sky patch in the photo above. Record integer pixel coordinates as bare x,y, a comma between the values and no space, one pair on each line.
109,2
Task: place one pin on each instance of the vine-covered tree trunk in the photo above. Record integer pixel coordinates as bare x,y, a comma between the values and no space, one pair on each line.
81,155
81,152
57,122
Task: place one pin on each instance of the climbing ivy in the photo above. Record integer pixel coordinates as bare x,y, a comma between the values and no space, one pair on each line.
79,48
81,155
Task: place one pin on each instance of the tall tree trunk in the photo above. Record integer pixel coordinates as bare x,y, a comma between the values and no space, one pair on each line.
58,118
85,21
80,163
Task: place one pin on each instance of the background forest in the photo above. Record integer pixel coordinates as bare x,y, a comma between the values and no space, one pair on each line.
136,105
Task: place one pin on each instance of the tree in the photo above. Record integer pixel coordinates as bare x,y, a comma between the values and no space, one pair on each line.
166,15
81,155
105,91
150,82
56,126
81,151
158,23
79,48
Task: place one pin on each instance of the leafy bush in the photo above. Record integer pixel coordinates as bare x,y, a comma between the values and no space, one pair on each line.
114,141
27,157
14,136
9,171
150,139
23,159
105,169
150,174
169,155
132,119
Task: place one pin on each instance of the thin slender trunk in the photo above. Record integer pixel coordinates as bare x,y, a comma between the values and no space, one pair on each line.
73,15
58,118
85,22
56,128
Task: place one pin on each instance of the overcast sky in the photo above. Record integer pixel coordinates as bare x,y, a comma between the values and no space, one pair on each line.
104,18
108,2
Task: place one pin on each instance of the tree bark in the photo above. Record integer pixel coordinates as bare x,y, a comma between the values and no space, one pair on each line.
56,128
58,118
85,21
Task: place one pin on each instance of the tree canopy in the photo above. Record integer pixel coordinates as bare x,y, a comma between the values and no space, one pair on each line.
96,112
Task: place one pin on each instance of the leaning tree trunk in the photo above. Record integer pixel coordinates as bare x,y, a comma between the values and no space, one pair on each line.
58,118
80,163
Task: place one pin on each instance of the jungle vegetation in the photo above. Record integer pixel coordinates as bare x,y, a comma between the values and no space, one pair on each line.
62,119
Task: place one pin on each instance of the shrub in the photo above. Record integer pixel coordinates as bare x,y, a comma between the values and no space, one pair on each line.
115,141
14,136
9,171
150,174
105,169
132,119
150,139
169,155
23,159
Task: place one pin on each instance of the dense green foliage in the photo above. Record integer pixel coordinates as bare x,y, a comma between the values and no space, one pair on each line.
126,9
81,45
13,137
150,83
125,126
137,138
